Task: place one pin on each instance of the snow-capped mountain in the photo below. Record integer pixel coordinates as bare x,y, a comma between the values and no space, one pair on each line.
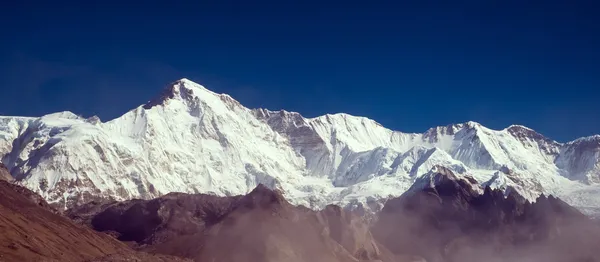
190,139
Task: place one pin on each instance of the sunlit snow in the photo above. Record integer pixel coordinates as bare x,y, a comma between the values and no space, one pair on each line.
194,140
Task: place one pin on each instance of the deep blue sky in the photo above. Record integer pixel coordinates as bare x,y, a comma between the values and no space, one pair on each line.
409,66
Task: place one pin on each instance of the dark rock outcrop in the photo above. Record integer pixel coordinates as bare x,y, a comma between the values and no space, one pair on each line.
452,222
260,226
443,219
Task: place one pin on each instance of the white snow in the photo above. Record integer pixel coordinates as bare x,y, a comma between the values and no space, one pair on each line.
193,140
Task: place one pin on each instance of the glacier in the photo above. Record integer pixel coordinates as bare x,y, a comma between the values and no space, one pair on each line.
190,139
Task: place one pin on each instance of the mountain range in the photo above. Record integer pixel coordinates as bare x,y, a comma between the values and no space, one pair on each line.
192,140
447,220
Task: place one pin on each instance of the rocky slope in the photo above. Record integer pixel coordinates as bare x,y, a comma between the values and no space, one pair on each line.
451,221
260,226
31,231
192,140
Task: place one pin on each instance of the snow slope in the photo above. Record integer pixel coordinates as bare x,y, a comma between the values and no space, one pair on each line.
190,139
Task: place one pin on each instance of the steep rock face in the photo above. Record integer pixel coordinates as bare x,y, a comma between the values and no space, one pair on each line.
303,137
450,221
192,140
581,159
260,226
531,139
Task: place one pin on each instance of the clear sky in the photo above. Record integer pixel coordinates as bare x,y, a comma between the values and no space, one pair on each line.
409,65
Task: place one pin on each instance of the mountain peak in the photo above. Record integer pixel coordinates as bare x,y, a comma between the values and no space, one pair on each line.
587,139
434,133
472,124
527,135
194,96
521,132
61,115
183,89
184,81
441,175
518,127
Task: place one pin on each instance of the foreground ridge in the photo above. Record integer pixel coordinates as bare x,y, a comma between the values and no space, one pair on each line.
445,222
259,226
33,231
